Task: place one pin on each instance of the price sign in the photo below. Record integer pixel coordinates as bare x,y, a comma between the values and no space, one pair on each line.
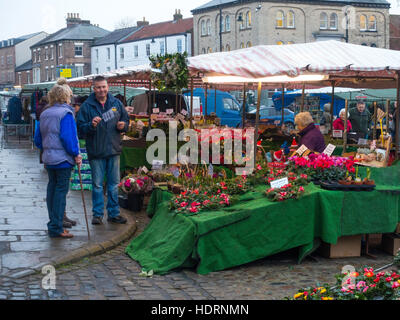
170,111
301,150
145,170
157,165
338,134
184,112
156,110
329,150
277,184
363,142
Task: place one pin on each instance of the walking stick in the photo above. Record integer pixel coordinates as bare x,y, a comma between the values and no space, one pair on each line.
83,200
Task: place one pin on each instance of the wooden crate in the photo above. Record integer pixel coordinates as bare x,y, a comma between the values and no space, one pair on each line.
349,246
391,243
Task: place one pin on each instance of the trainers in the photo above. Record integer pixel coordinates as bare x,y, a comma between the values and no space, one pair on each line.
119,220
97,221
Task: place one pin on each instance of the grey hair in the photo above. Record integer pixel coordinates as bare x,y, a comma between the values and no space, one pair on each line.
304,119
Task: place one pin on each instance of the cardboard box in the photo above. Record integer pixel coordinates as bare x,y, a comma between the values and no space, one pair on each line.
346,247
375,240
391,243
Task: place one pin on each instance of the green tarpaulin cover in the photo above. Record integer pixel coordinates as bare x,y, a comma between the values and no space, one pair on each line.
256,228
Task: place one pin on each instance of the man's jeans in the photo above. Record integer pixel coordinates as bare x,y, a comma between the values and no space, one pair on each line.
108,168
57,191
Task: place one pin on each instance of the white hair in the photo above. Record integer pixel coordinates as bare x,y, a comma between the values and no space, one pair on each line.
344,111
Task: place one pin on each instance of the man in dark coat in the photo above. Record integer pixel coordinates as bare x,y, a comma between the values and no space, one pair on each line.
361,119
101,120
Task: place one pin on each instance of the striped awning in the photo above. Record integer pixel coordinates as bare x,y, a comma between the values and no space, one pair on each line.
325,57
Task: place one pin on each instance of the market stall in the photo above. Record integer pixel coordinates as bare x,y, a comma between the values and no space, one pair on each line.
214,236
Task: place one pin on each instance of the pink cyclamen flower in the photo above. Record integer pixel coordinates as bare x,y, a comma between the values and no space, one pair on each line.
301,189
365,289
395,285
194,210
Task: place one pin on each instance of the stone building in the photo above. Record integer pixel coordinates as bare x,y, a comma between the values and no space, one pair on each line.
395,32
68,48
248,23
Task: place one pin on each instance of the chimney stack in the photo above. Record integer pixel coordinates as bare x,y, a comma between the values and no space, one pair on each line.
178,16
142,23
73,19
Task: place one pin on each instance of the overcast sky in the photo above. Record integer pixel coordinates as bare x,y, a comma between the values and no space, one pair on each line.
20,17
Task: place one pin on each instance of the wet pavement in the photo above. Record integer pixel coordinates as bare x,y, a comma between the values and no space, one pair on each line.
24,243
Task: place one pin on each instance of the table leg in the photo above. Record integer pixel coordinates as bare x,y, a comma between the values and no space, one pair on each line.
369,255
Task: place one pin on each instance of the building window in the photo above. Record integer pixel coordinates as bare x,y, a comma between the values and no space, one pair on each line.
46,53
9,60
209,50
11,76
108,69
290,19
108,54
241,45
203,51
47,74
279,43
39,54
372,23
136,51
28,77
248,45
203,28
333,22
97,54
209,27
60,51
79,70
228,47
97,70
53,74
52,53
363,22
290,42
248,19
19,79
148,51
280,19
373,45
122,53
364,44
33,56
162,48
78,50
221,24
323,21
179,45
228,23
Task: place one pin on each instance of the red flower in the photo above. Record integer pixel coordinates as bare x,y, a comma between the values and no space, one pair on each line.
388,279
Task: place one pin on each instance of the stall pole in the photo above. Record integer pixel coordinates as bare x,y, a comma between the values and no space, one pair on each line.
215,100
244,106
283,105
387,115
206,100
302,98
191,102
332,106
176,102
397,115
257,123
345,127
125,92
375,120
149,106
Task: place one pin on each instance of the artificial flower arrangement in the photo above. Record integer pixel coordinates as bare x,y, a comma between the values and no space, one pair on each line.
365,284
136,184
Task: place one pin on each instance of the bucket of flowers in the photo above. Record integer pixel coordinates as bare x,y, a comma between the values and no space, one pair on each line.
136,187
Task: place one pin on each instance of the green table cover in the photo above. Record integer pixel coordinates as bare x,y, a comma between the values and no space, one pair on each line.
256,228
133,158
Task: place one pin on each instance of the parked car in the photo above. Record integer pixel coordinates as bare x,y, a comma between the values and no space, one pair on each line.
274,116
227,108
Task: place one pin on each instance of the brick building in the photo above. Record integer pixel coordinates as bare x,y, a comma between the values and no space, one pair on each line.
395,32
68,48
23,74
247,23
14,53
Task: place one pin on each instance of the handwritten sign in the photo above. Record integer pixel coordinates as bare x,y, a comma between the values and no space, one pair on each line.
157,165
156,110
302,150
329,150
277,184
337,134
170,111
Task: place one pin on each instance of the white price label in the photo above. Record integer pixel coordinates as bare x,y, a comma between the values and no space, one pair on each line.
363,142
157,164
301,150
337,134
277,184
170,111
329,150
184,112
156,110
145,170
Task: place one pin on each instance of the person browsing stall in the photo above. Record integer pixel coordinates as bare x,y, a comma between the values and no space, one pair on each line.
57,137
310,136
101,120
360,119
338,124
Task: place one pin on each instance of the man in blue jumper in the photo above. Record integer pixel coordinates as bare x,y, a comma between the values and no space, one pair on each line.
101,120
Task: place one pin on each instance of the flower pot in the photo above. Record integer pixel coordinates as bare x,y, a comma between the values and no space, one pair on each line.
135,202
369,183
345,182
177,189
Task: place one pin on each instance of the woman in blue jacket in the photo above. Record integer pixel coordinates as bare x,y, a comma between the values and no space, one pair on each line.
57,137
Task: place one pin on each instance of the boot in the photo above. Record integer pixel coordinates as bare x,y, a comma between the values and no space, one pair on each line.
67,220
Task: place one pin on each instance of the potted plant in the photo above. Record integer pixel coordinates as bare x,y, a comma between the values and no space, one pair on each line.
135,187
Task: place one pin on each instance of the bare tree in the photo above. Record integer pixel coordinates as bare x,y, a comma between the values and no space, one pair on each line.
126,22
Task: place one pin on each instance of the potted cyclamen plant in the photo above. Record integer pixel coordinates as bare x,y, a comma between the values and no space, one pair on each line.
135,187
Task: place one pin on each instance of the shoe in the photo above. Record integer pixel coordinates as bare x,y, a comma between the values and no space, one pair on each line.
67,225
66,219
64,235
97,221
119,220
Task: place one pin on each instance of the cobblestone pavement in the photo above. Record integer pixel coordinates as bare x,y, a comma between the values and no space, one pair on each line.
114,276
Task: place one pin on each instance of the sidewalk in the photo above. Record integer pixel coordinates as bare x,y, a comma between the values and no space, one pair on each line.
24,245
